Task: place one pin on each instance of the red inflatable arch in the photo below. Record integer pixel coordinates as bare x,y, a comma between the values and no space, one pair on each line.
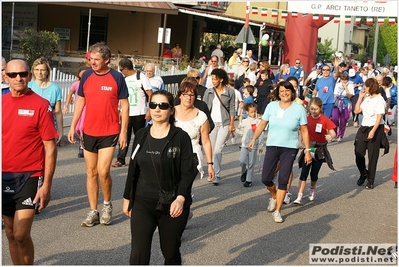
301,35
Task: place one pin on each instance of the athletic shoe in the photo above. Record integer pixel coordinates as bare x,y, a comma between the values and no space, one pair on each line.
369,186
287,198
209,179
106,216
118,164
312,193
80,155
277,217
355,124
339,139
298,201
91,219
244,176
216,180
272,204
233,140
247,184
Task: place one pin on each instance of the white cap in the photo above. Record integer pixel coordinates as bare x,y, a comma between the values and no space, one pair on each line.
352,73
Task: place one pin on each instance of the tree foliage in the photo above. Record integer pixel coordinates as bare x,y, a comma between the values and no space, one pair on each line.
36,44
325,51
387,42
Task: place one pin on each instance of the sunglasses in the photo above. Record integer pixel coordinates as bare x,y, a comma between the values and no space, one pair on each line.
15,74
197,77
325,69
162,105
245,61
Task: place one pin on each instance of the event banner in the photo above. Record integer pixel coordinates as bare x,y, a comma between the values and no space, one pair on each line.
352,8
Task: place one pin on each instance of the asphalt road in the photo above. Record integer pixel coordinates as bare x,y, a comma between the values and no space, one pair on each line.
231,225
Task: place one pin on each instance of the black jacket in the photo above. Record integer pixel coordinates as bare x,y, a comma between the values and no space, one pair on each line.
177,166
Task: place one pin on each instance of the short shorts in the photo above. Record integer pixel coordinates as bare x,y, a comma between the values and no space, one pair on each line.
22,200
94,143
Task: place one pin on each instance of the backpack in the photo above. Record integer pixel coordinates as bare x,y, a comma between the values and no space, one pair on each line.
138,78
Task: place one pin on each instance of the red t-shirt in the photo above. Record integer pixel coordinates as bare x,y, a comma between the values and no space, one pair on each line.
27,122
102,93
315,132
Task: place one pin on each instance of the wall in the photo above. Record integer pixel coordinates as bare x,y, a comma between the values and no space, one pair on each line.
126,31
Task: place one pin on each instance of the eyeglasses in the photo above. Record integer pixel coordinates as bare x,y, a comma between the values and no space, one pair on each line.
325,69
15,74
245,61
162,105
188,95
197,77
297,62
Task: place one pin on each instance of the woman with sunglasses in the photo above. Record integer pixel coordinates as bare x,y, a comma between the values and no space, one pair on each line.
42,86
206,76
158,186
221,102
195,123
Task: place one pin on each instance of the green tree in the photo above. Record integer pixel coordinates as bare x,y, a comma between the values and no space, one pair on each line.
36,44
387,42
325,51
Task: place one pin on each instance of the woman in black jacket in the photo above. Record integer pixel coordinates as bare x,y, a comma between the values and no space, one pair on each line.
158,184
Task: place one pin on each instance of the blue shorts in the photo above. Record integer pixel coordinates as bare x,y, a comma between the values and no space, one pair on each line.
273,155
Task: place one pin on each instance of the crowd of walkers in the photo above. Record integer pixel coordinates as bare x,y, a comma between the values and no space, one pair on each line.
282,115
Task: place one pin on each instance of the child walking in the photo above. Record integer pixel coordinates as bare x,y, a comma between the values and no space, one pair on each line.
248,156
321,130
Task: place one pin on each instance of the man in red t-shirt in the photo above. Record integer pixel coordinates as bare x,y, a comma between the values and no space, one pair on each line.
29,154
101,89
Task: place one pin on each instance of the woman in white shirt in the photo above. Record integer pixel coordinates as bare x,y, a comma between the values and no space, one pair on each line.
370,135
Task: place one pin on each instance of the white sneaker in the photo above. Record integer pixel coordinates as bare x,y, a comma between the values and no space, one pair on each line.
312,193
298,201
233,140
272,204
287,198
277,217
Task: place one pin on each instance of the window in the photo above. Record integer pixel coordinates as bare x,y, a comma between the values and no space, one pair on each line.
98,29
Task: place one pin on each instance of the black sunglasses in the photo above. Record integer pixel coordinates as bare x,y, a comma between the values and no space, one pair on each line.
15,74
162,105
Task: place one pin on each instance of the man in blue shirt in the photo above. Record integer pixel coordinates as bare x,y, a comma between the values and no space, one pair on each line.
358,85
324,88
296,70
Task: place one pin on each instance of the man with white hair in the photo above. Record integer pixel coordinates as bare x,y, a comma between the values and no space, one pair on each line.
155,81
5,87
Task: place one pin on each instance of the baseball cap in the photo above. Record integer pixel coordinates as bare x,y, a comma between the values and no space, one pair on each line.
319,66
88,55
352,73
